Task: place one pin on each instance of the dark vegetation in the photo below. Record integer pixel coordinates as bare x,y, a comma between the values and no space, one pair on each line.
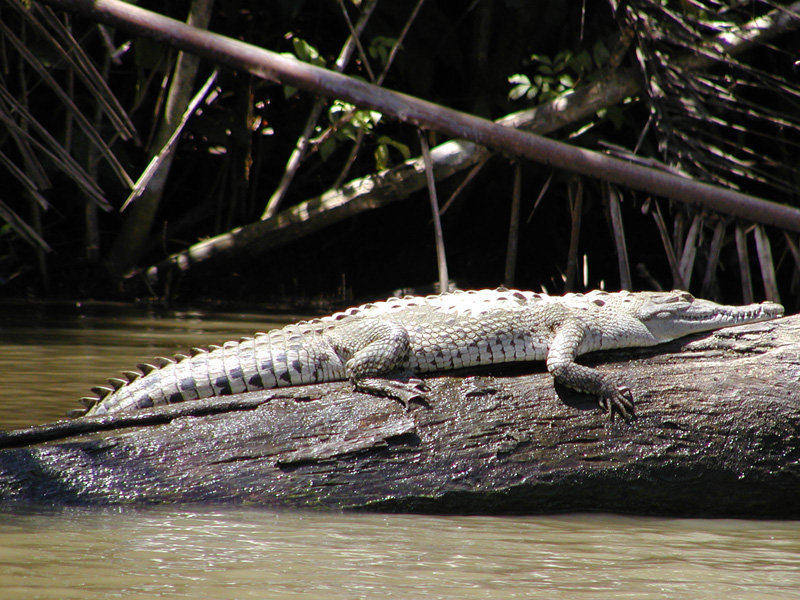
734,123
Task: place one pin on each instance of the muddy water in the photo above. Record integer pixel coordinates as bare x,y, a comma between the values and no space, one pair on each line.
50,355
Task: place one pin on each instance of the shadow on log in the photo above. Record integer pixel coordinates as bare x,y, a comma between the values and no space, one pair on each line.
717,434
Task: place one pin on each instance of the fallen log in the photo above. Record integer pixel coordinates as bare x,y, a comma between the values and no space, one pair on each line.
717,434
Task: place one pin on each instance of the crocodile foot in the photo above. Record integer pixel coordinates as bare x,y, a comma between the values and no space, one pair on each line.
403,387
619,401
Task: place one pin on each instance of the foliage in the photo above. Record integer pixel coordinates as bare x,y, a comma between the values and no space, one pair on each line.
557,75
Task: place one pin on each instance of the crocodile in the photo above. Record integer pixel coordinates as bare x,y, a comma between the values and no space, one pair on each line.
384,347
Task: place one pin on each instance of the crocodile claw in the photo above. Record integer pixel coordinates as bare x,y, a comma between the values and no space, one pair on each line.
620,401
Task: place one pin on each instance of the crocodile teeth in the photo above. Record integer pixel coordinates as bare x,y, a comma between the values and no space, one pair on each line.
117,383
196,351
102,391
89,402
131,376
146,368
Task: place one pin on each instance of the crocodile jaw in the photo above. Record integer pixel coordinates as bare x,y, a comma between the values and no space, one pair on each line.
671,315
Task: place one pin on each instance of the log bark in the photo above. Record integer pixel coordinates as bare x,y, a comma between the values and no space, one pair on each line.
717,434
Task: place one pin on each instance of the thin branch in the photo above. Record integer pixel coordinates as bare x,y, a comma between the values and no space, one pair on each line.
575,211
669,247
441,258
513,229
715,250
764,251
159,160
690,251
623,262
744,264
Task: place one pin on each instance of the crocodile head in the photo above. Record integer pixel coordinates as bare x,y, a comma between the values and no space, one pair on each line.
670,315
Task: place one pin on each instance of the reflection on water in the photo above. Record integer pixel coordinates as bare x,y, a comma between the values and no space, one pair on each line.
51,355
255,554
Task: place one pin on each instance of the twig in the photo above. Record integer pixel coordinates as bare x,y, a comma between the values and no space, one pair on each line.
441,259
744,264
620,243
690,251
669,248
768,276
160,159
717,242
513,228
576,211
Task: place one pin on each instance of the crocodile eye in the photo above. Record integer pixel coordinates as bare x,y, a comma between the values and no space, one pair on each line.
687,297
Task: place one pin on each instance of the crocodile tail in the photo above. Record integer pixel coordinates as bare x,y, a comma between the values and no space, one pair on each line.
291,356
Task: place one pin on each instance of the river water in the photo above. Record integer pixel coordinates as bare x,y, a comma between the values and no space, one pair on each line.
51,354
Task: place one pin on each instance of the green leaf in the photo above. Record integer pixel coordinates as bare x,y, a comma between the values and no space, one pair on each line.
519,91
562,60
338,110
521,88
379,48
306,52
399,146
347,132
541,58
327,148
600,54
381,157
581,63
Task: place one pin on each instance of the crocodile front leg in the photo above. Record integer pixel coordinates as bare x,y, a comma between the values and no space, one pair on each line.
563,350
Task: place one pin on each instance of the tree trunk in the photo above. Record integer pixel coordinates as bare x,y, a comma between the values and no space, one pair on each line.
717,434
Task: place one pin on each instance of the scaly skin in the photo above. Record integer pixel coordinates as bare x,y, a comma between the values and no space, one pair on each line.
383,347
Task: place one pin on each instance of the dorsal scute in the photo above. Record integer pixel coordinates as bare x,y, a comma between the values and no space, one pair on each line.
117,383
163,361
89,402
467,302
131,376
102,391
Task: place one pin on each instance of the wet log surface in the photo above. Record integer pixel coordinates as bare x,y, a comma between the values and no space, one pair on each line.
717,434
